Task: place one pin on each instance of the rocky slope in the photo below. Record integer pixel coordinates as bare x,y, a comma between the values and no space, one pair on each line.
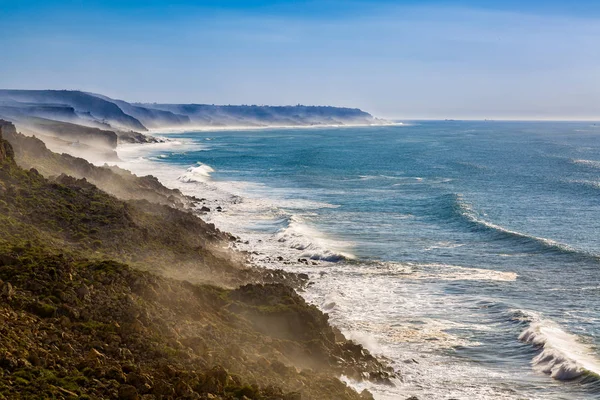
93,304
32,152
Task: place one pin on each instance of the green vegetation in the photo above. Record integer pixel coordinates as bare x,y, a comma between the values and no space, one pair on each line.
81,316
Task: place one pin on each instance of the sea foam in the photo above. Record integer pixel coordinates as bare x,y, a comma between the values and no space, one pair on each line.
466,211
588,163
313,243
200,173
563,356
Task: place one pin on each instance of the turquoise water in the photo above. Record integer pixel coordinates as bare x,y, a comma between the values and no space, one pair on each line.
466,252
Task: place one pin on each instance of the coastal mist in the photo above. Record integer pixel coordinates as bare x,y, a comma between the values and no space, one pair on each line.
467,253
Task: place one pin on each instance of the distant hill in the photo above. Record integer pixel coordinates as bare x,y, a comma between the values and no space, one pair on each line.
150,117
87,108
99,111
253,115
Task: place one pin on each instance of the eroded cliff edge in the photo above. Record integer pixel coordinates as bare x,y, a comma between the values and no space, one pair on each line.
127,295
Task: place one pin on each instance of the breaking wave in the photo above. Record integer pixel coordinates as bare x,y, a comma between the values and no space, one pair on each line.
200,173
312,243
587,163
466,212
562,355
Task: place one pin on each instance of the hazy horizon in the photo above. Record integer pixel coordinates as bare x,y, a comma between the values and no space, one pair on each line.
402,60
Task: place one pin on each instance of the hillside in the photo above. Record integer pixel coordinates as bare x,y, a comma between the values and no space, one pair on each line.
90,125
99,111
150,117
86,106
31,152
82,316
253,115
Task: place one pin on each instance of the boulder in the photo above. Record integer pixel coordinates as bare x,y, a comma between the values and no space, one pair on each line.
83,293
366,395
128,392
7,291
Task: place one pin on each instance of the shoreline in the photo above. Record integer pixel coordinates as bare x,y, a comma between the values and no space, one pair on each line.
396,320
296,265
204,128
257,331
406,333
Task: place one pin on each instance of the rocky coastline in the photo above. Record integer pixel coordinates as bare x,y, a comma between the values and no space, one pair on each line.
111,288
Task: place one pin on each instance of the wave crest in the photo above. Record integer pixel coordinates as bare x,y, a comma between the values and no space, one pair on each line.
562,355
466,211
200,173
587,163
313,243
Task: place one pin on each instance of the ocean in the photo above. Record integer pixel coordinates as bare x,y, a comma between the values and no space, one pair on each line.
466,253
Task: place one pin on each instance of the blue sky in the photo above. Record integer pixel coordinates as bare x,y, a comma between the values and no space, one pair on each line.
397,59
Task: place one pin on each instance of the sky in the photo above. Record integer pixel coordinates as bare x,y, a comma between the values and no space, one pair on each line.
395,59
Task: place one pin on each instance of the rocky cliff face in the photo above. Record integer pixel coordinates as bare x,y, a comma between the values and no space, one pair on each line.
81,316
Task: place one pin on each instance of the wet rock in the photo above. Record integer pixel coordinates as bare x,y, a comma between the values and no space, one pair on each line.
205,209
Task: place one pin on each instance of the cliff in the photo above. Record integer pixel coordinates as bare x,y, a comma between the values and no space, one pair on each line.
87,106
150,117
253,115
106,298
32,152
99,111
90,125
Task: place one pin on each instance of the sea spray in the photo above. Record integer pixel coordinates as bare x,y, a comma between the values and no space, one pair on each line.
562,355
200,173
433,274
